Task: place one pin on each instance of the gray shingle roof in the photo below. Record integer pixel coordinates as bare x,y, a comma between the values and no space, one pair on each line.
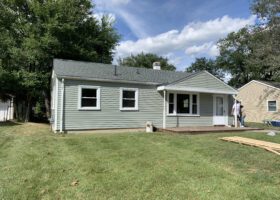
272,83
89,70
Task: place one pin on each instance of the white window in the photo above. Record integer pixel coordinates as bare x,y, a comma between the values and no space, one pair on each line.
128,99
272,106
89,98
183,104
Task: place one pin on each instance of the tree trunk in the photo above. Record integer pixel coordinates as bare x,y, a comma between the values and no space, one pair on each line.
28,108
16,109
47,104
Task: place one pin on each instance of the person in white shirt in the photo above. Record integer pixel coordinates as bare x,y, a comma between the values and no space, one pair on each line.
236,110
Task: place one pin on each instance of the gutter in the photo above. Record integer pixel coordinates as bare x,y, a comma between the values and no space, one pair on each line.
107,80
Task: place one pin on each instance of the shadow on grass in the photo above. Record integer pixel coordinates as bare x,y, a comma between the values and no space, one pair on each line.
262,126
9,123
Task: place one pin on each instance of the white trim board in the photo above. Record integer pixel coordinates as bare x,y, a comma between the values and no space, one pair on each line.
98,97
267,107
136,107
193,89
107,80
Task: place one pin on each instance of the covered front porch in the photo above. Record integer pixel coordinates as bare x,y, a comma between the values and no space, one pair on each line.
197,109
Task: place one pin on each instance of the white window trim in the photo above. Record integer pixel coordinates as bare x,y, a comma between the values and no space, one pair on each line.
268,106
175,105
80,97
136,90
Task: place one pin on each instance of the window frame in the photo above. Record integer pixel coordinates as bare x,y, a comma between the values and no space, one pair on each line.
135,108
98,99
267,106
190,114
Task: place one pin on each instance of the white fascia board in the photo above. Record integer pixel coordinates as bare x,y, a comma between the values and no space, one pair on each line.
107,80
193,89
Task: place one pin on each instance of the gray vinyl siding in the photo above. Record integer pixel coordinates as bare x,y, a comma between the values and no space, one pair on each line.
204,80
205,118
110,116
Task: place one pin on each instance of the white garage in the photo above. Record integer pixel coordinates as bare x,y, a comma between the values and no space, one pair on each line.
6,110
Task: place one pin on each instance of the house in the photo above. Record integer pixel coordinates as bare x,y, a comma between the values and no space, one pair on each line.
102,96
6,110
261,100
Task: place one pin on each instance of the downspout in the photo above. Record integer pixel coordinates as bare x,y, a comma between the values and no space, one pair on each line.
61,105
164,109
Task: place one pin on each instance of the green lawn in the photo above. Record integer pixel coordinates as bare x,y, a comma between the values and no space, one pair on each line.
37,164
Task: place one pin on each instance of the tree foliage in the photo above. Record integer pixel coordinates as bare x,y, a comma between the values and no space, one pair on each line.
266,52
34,32
209,65
146,60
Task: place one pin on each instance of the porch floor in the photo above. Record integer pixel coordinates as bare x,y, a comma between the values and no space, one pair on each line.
206,129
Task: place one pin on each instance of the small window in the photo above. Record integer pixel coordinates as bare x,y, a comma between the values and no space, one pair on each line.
171,103
129,99
271,105
89,97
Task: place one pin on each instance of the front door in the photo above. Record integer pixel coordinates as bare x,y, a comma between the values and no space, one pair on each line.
220,111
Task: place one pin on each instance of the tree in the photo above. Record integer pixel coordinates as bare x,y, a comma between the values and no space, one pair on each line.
266,52
254,52
146,60
32,33
235,50
209,65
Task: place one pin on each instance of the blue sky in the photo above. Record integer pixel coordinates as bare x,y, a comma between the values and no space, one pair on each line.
178,29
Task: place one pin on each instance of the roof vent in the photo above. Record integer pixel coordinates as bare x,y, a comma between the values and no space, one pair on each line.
156,65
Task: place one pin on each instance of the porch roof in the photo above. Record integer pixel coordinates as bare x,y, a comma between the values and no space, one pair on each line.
193,89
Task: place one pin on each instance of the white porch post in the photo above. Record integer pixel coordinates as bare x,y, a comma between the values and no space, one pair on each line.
164,109
62,105
235,113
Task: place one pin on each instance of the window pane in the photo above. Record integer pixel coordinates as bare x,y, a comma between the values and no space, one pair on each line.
219,106
171,108
271,105
88,102
194,109
194,99
183,103
129,94
88,92
171,98
128,103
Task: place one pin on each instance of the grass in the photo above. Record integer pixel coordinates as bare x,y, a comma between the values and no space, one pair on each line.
261,126
37,164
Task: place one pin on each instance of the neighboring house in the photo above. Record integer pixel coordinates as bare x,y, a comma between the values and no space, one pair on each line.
261,100
102,96
6,110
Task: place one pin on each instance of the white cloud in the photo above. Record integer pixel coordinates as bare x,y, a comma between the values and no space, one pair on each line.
99,15
111,3
136,25
193,37
208,48
120,2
